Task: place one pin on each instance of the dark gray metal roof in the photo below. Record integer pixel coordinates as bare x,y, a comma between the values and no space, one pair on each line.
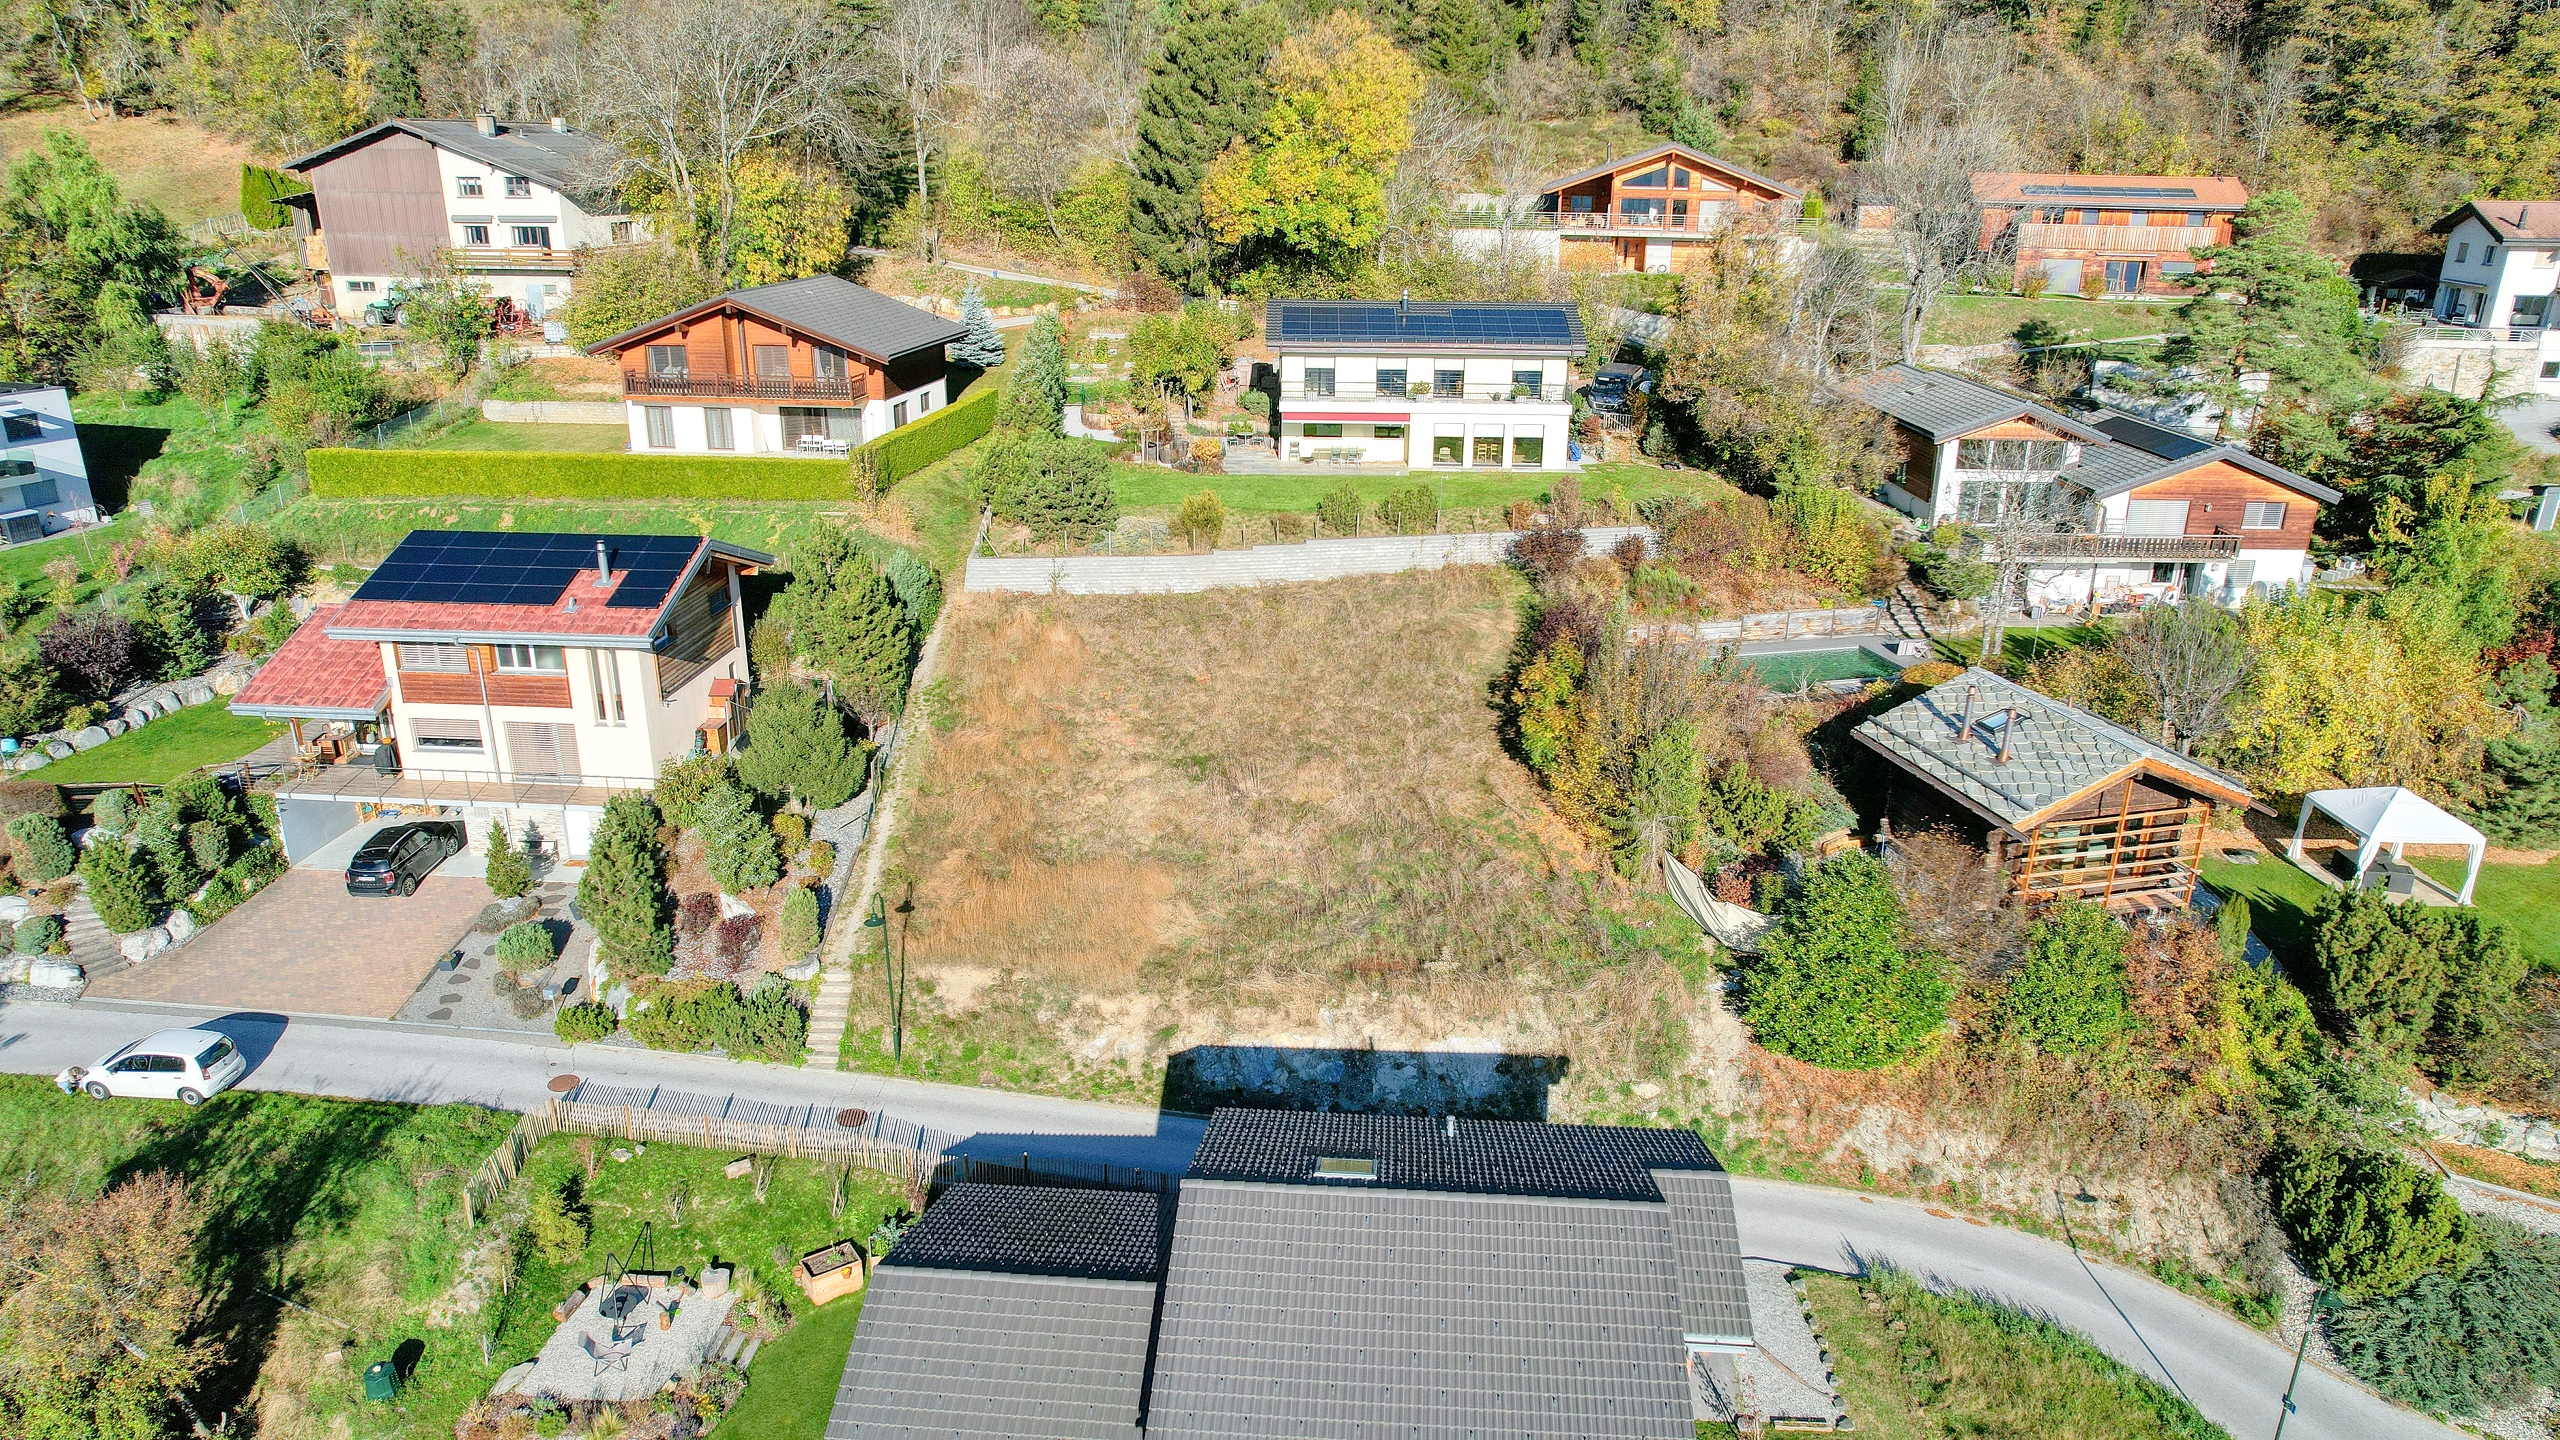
1940,405
1300,1310
570,161
2058,752
968,1355
1663,151
1394,326
1715,1295
854,317
1041,1230
2139,453
1420,1152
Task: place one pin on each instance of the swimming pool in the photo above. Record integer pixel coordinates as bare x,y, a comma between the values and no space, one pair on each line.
1786,671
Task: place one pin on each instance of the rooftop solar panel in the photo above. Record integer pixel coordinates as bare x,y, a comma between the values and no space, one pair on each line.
2113,192
494,568
1385,323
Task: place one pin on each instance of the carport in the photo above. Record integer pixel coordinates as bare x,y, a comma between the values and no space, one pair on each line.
333,854
334,695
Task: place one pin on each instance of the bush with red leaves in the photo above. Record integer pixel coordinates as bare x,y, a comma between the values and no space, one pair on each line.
737,940
94,649
696,914
1548,552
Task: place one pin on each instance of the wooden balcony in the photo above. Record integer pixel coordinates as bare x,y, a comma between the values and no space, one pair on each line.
2170,241
713,385
2100,549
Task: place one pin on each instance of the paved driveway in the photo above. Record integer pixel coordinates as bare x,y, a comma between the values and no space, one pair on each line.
305,946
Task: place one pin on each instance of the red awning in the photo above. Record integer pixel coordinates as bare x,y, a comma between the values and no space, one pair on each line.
1389,417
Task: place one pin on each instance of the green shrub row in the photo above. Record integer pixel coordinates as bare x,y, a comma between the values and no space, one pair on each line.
540,475
903,452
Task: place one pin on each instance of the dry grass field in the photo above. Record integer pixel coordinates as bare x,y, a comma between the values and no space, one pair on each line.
188,171
1276,817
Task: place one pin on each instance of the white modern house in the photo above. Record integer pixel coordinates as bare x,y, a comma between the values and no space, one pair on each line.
2501,266
511,202
44,481
501,675
1437,385
2119,508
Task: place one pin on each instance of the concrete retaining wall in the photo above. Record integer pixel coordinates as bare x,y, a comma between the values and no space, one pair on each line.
554,412
1260,565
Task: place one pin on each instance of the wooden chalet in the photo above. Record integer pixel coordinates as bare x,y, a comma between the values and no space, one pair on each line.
2073,805
1656,210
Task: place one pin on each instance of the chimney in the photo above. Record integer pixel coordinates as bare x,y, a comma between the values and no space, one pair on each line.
1449,1126
1964,731
604,565
1404,302
486,123
2009,730
559,124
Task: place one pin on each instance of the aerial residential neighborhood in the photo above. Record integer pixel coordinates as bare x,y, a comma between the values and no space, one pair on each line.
1000,719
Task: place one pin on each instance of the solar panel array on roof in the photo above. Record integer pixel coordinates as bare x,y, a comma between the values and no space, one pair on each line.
1387,323
2112,192
1421,1152
1041,1230
474,567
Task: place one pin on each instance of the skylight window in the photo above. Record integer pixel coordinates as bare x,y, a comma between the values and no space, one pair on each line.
1346,1167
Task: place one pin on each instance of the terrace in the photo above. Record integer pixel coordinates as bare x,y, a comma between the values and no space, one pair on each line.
718,385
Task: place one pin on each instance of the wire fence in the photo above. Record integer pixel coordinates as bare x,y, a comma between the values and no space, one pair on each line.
462,404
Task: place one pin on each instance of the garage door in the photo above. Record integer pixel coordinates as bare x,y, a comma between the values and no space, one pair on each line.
542,749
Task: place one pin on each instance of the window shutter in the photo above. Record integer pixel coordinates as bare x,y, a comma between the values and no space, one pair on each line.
446,734
434,658
535,749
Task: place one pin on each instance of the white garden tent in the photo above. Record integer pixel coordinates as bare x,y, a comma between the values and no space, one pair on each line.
2386,815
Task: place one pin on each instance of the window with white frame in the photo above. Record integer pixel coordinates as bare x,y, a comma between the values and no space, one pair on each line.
438,733
532,237
475,235
360,287
433,658
532,660
2028,455
715,428
662,426
2263,515
467,187
604,679
519,188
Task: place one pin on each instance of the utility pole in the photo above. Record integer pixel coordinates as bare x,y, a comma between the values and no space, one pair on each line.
2323,1302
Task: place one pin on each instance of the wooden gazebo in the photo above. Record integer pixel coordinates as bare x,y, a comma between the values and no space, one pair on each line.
2074,805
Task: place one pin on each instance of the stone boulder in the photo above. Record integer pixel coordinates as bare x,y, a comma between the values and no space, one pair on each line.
59,749
136,718
54,973
14,908
158,702
114,726
89,737
805,970
497,915
194,692
141,945
32,760
229,682
731,907
181,927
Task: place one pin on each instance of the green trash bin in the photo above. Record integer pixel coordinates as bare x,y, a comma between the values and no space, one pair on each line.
381,1381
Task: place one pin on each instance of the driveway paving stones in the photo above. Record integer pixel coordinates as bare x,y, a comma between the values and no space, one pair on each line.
305,946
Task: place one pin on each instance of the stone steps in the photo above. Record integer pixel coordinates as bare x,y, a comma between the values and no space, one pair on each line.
828,1015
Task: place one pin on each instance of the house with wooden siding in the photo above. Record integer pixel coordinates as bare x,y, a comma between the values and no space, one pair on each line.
816,364
2071,805
2123,234
510,203
1653,211
2123,508
503,675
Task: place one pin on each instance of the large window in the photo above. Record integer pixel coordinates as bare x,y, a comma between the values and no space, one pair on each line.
22,425
1528,449
1991,502
533,660
604,678
1323,431
1449,382
2263,515
1448,449
1528,382
621,232
532,237
2018,455
715,429
1318,381
1391,382
37,494
1488,452
1651,179
662,426
669,361
827,363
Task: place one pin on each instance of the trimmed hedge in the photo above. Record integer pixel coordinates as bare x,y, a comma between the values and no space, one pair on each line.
906,450
541,475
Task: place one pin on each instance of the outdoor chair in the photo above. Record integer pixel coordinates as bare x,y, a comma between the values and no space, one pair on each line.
608,1356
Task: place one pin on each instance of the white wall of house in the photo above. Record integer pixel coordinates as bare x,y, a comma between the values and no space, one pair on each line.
38,434
756,429
2482,280
1481,416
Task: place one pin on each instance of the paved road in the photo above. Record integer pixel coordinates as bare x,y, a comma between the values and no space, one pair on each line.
2232,1373
2229,1371
436,1065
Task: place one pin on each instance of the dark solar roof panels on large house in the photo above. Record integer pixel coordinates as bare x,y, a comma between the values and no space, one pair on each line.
1094,1234
480,567
2111,192
1420,1152
1423,325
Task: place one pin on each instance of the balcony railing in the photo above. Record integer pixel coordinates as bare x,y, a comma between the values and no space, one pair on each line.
1420,391
715,385
2169,240
2096,547
2460,333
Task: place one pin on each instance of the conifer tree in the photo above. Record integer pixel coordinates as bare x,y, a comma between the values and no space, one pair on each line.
509,873
982,346
737,845
1206,91
1034,401
121,886
622,894
797,748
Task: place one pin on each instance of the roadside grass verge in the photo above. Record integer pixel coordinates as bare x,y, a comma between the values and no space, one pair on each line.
2498,1167
351,1211
1912,1364
184,740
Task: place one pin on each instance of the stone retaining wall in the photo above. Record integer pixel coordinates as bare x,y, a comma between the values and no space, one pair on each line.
1260,565
553,412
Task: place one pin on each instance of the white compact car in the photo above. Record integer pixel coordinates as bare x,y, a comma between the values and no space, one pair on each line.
183,1065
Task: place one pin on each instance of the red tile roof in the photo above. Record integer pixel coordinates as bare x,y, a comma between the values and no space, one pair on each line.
580,611
312,674
2211,192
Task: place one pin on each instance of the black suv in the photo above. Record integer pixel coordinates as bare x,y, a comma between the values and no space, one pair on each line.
399,856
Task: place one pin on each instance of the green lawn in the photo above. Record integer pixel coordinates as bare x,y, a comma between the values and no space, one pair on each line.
168,747
792,1386
170,452
363,531
511,435
2281,899
2526,897
23,565
1912,1364
1983,319
351,1210
2024,645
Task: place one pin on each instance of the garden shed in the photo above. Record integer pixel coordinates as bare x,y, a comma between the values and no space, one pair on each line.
2391,817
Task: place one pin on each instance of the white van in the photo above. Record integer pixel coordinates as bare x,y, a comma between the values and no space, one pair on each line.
184,1065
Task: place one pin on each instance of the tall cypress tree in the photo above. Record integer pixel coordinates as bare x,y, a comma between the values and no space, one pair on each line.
1206,91
621,894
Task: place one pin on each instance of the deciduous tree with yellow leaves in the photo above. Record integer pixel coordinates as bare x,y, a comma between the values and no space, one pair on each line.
1311,184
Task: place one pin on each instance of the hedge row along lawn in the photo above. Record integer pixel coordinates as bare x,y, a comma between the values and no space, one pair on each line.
564,475
910,448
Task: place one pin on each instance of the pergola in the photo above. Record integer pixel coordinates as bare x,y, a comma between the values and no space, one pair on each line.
2387,815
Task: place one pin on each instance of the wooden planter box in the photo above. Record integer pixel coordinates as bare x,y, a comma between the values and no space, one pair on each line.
837,1270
